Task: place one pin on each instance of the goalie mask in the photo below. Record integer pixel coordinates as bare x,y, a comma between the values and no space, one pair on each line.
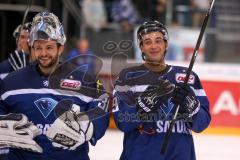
148,27
46,26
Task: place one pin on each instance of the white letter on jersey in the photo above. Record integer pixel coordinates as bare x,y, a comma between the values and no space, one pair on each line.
43,129
159,126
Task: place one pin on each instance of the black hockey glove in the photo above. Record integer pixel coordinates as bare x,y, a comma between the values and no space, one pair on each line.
185,97
149,101
18,59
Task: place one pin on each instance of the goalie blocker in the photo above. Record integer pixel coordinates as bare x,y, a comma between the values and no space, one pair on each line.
71,129
17,132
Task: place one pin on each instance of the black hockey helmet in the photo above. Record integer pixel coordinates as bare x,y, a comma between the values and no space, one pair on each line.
151,26
26,27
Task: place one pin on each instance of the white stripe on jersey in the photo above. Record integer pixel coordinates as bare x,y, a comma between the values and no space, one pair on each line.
142,88
3,75
199,92
126,88
47,91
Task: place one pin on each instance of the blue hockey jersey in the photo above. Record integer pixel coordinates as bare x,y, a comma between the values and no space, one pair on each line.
26,91
143,138
5,68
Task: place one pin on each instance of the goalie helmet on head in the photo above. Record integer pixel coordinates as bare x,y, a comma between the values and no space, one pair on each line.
46,26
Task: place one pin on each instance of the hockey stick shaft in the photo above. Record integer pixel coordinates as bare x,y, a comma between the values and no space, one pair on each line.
189,70
29,3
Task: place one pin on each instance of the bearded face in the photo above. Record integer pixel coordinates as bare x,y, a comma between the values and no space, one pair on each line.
47,54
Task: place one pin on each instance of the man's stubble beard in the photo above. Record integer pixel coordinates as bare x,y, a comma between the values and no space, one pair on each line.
51,64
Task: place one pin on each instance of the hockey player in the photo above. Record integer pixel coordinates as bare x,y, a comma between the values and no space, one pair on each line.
146,97
21,56
30,99
21,34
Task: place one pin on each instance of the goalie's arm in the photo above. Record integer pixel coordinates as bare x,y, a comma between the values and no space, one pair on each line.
100,104
100,124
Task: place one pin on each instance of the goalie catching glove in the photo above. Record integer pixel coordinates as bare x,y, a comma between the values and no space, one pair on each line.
17,132
185,97
149,101
71,129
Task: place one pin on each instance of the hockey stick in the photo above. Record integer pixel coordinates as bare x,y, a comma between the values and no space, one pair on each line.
29,3
204,25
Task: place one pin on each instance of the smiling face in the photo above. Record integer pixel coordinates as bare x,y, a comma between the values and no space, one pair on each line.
154,46
47,54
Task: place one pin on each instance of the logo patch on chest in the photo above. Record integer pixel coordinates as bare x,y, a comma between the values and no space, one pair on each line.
45,83
167,107
180,77
70,84
45,105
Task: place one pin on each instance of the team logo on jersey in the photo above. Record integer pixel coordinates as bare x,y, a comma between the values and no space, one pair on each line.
70,84
167,107
45,83
45,105
180,77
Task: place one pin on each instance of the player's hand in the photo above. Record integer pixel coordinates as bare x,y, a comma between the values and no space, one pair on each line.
18,59
185,97
17,132
71,129
149,101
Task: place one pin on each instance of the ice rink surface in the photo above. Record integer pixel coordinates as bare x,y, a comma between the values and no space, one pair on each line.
208,147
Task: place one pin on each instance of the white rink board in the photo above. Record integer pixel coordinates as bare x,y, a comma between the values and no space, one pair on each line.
208,147
206,71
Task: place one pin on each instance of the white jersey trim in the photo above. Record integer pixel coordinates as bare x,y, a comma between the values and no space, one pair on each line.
127,88
47,91
199,92
3,75
142,88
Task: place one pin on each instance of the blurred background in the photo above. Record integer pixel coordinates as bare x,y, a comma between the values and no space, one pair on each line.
102,20
107,27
